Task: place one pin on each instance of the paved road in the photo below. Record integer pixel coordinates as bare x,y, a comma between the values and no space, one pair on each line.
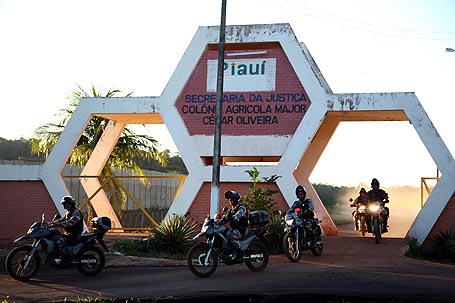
351,268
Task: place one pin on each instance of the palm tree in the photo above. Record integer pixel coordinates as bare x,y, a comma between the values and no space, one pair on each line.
129,147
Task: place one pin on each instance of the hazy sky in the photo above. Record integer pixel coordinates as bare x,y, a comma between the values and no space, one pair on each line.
49,47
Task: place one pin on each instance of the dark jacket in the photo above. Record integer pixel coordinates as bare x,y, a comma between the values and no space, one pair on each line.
72,222
307,207
238,217
377,195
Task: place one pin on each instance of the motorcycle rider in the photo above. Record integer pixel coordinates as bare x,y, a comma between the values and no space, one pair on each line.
237,216
72,223
378,194
359,201
304,203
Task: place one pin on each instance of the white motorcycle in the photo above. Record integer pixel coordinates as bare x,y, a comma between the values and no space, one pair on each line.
300,235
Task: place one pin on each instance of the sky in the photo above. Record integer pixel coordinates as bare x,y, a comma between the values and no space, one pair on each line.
49,47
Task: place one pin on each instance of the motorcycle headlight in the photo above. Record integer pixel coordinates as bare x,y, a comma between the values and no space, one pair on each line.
373,207
362,207
290,221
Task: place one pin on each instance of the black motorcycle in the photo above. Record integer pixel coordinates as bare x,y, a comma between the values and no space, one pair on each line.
203,258
23,262
301,234
375,211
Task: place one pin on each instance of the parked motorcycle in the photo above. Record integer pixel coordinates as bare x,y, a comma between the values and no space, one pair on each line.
360,213
203,258
301,234
23,262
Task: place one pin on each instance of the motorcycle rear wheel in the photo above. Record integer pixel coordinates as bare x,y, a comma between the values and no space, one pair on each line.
17,258
363,226
257,264
197,260
91,261
290,248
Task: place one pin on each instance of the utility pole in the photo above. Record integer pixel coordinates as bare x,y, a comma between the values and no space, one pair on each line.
215,194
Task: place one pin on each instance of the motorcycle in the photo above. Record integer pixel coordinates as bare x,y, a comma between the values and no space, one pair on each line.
374,211
360,213
301,234
23,262
203,257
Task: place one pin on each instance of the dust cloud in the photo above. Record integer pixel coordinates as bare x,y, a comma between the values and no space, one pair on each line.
404,206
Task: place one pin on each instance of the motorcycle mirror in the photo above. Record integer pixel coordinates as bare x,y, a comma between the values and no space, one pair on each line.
225,209
350,200
43,216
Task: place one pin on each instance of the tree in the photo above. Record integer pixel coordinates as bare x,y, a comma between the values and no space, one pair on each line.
129,146
259,198
17,150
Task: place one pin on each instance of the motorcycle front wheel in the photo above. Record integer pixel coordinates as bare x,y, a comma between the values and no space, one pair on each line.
317,250
202,260
290,248
21,265
377,231
363,226
91,261
259,256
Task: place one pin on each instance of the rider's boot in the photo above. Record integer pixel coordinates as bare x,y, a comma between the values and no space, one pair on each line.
385,225
236,245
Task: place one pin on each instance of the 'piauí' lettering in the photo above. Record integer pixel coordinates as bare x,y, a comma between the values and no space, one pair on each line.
245,69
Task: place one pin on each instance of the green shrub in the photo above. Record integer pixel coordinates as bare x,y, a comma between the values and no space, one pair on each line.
170,240
442,247
413,250
129,247
174,234
275,233
259,198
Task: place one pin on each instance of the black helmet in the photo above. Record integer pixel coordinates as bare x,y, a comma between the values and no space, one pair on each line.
300,189
232,195
374,182
68,199
362,190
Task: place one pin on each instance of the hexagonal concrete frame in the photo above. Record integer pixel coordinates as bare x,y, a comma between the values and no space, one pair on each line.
299,152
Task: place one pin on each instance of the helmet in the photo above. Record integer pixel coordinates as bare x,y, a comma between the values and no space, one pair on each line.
374,182
68,199
362,190
300,189
232,195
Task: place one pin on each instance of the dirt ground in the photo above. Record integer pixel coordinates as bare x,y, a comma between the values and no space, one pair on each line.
326,278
